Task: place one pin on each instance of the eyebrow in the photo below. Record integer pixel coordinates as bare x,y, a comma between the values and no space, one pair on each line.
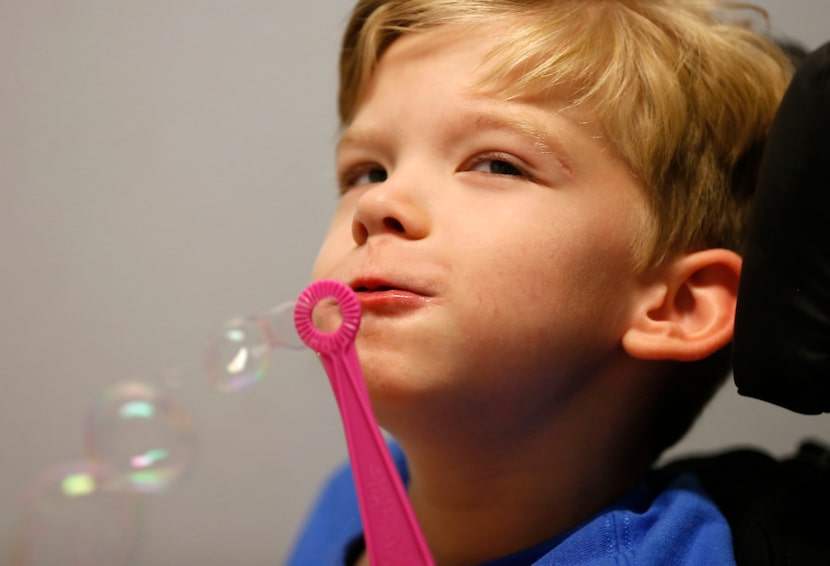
543,140
358,137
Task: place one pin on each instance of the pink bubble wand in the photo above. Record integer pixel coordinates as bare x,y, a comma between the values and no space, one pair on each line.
393,536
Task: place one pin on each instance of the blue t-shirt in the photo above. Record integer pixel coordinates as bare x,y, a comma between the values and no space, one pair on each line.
677,525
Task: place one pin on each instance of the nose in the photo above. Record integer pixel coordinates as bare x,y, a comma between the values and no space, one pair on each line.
392,210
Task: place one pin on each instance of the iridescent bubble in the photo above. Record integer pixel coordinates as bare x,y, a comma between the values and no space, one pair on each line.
240,354
282,333
69,517
145,438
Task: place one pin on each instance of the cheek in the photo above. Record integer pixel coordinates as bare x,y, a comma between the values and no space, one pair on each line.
567,274
337,242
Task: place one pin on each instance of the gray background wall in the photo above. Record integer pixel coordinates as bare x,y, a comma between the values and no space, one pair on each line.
163,166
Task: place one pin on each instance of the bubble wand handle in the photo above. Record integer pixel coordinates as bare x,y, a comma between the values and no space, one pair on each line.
393,536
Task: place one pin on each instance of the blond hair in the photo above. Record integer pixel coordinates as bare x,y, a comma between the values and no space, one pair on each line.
681,95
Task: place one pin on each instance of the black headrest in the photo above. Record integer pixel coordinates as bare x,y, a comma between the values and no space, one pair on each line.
782,326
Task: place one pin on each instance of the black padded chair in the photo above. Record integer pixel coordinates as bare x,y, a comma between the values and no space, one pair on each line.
782,326
779,510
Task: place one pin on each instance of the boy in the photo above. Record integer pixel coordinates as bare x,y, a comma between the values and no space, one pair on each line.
541,210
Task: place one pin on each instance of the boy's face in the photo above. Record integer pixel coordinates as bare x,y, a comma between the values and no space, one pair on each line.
492,242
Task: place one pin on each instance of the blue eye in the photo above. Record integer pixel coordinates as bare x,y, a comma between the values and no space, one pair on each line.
370,176
503,168
496,166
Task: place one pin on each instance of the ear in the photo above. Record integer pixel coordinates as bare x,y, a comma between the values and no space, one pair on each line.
688,311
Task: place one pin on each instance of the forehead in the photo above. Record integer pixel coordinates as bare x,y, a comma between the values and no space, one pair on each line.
450,65
502,59
526,40
452,52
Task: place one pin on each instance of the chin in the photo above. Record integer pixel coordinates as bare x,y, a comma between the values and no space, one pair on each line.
397,383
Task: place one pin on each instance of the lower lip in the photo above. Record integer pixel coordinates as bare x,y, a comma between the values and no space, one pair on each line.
392,301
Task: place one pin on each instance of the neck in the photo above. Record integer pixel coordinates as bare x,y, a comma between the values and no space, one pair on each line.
481,494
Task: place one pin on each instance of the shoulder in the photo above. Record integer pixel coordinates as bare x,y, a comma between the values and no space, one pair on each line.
666,519
776,508
333,527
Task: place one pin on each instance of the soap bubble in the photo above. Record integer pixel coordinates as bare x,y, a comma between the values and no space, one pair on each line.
69,517
281,330
239,356
241,353
145,438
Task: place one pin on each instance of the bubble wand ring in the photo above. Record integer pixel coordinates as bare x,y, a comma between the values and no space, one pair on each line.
393,536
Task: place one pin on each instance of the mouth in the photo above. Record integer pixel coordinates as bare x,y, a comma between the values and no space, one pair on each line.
387,297
377,286
375,289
